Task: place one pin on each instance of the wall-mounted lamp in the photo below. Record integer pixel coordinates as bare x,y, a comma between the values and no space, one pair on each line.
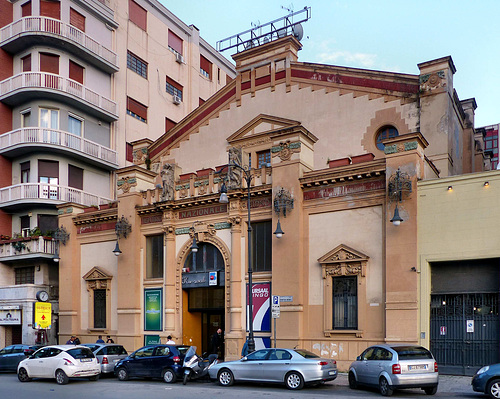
61,236
122,229
399,187
450,188
486,184
283,203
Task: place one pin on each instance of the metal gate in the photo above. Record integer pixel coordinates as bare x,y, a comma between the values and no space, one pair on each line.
464,332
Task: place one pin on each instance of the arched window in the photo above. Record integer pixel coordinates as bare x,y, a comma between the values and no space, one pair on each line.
207,258
386,132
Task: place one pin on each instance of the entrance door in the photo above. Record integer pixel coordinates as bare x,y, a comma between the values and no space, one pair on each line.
464,331
212,321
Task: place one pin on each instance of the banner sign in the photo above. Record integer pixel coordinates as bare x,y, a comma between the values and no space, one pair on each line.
203,279
152,340
153,309
10,315
43,315
261,300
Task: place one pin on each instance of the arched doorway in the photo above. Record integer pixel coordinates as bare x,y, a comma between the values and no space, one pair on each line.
203,280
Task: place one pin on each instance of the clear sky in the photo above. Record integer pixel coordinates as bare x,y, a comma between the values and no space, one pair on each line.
388,35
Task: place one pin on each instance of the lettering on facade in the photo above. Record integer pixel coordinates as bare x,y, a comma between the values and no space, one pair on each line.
95,227
340,191
260,203
151,219
210,210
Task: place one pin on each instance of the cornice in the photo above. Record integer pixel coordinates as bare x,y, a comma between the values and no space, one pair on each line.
105,215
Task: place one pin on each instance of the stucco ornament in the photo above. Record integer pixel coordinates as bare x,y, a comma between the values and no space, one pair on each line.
234,174
168,180
285,150
432,81
126,184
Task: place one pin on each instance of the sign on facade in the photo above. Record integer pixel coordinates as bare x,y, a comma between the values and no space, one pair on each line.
153,309
261,300
10,315
212,278
43,315
470,326
442,330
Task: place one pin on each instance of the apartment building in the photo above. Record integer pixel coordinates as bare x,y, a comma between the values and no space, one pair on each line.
82,83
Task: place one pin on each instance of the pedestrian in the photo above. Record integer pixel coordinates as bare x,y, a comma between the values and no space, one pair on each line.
77,341
244,350
99,340
218,343
170,341
110,340
71,341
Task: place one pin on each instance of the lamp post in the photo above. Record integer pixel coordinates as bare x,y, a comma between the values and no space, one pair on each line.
224,200
122,229
60,236
399,186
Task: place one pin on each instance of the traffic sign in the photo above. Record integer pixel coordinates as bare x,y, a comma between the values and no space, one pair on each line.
275,307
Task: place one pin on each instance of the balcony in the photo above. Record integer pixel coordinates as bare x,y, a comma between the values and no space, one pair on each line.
28,85
27,248
17,196
30,31
21,141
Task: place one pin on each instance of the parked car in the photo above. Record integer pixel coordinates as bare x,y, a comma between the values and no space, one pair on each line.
11,355
60,362
107,355
293,367
395,366
487,380
153,361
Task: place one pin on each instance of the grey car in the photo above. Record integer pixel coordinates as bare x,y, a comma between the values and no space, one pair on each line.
395,366
293,367
11,355
108,355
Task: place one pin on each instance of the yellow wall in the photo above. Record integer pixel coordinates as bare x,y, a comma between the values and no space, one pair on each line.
191,324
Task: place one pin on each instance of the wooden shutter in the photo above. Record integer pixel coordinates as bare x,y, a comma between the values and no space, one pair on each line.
76,19
137,108
206,65
51,9
169,124
75,72
129,152
174,83
25,166
48,169
49,63
137,15
175,42
26,9
75,177
26,63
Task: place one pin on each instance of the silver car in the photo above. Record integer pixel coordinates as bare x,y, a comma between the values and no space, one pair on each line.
293,367
108,355
395,366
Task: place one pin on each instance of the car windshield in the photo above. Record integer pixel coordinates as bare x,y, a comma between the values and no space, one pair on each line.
182,349
306,354
81,353
92,347
6,350
412,352
116,350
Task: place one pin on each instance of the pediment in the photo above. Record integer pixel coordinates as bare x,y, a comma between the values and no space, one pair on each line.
259,126
342,254
96,273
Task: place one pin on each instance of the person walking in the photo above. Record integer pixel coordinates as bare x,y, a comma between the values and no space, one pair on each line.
110,340
99,340
170,341
218,343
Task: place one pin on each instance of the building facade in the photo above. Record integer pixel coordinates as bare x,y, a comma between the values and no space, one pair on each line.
81,81
333,154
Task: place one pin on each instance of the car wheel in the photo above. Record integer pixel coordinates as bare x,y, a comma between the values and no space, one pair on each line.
225,377
94,377
353,384
169,376
430,391
493,389
385,388
61,377
22,375
122,374
294,380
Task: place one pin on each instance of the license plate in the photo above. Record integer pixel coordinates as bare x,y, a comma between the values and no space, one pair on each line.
418,367
332,373
86,360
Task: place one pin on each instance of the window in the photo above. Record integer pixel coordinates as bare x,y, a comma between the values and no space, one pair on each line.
129,152
25,275
49,63
345,303
75,125
25,225
26,119
76,72
174,43
48,173
76,19
100,308
26,9
47,223
387,132
137,15
49,119
154,256
174,88
137,65
75,177
262,246
25,172
218,75
263,158
205,67
51,9
137,110
26,63
207,258
169,124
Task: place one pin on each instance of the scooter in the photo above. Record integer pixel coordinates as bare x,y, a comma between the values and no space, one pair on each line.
195,366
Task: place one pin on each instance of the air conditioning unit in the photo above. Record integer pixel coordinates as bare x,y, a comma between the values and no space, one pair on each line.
177,100
179,58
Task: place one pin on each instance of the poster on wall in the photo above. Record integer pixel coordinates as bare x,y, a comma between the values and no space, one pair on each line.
42,315
261,299
153,309
10,315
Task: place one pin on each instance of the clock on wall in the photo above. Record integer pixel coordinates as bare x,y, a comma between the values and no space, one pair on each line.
42,296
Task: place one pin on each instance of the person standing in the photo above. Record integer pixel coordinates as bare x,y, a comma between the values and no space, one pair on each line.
218,343
170,341
77,341
99,340
110,340
244,350
71,341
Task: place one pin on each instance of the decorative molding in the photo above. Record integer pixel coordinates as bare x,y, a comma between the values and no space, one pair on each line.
97,278
343,261
285,149
126,183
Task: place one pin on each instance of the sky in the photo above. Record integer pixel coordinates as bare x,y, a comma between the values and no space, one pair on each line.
386,35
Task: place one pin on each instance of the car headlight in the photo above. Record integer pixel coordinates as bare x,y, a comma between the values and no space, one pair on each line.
483,370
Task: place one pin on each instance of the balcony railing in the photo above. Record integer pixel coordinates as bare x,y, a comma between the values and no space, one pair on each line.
31,135
27,247
48,193
55,82
40,25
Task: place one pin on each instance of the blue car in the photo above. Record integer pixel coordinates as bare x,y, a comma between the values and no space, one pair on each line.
487,380
11,355
153,361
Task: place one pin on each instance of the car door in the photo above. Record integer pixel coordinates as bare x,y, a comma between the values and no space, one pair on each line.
50,362
141,364
16,356
364,365
162,357
375,366
36,363
6,357
250,368
276,365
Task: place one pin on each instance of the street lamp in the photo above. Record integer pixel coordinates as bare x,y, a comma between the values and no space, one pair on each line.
60,236
224,200
399,186
122,229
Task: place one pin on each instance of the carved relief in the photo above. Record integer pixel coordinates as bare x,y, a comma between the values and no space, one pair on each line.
285,150
97,278
168,179
432,81
343,261
126,183
234,174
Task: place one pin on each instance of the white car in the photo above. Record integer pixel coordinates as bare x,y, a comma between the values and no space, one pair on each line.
60,362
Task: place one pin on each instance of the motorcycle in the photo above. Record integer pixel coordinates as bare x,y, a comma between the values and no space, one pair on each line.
195,366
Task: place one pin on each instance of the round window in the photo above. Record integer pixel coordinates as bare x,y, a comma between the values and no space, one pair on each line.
386,132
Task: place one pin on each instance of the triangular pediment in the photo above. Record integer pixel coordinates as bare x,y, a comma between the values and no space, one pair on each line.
342,254
259,126
96,273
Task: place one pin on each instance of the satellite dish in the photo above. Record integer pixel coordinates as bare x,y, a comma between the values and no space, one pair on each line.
298,32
